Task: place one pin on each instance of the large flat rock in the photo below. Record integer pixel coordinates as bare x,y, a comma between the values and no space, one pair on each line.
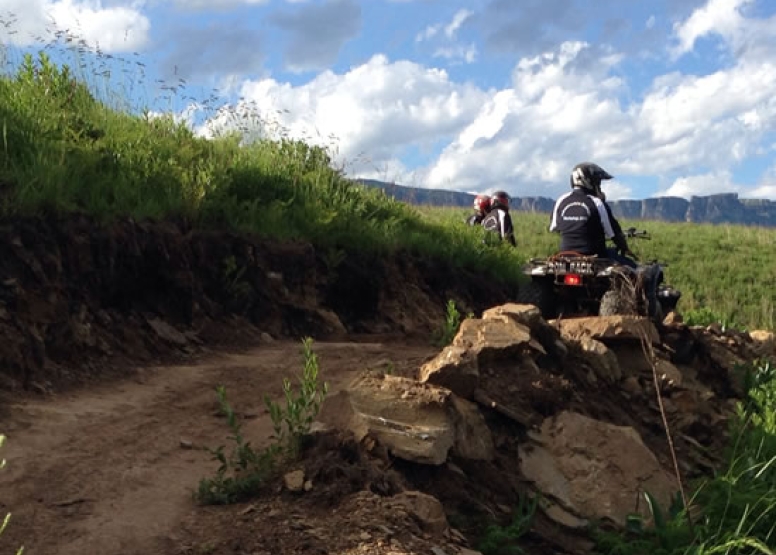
594,470
417,422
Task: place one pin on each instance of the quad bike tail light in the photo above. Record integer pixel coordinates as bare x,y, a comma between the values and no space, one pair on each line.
572,279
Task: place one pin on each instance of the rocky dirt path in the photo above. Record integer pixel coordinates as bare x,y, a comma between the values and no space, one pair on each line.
111,469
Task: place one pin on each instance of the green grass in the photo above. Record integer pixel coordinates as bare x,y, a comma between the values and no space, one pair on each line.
75,144
726,273
64,150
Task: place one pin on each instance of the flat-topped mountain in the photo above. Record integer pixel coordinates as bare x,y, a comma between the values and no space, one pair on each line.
717,209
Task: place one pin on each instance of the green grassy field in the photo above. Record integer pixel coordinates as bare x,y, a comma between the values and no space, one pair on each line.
726,273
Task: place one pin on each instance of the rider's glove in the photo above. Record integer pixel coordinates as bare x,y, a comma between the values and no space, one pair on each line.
621,243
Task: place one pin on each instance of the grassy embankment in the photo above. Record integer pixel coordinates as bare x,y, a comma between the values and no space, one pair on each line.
65,150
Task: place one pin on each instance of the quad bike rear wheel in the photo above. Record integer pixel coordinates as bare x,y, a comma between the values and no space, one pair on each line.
624,298
615,303
540,294
620,299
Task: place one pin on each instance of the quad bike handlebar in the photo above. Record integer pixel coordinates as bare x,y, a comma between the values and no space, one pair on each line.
632,232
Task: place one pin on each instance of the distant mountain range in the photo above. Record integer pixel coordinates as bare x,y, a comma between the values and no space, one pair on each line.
715,209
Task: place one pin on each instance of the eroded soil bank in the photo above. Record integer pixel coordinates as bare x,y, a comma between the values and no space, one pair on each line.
79,299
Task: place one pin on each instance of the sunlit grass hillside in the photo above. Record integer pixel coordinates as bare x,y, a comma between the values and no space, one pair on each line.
63,151
726,273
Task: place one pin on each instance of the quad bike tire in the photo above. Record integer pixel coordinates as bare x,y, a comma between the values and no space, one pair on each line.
620,301
616,303
540,294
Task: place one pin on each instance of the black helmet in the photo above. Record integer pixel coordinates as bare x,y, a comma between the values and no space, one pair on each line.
588,176
499,199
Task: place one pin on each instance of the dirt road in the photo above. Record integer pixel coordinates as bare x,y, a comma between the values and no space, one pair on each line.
111,470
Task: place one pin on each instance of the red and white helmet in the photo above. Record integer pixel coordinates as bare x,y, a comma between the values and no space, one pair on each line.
481,203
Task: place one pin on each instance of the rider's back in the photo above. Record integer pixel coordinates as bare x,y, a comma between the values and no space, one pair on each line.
577,217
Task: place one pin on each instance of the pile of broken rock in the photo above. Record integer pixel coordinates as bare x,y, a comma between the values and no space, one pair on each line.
572,410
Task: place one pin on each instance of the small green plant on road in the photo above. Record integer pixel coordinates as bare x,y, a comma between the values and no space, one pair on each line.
292,422
244,470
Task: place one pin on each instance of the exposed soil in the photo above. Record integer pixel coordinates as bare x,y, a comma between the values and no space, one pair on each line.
111,469
115,338
79,300
109,361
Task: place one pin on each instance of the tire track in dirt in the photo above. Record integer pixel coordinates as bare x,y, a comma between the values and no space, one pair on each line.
104,470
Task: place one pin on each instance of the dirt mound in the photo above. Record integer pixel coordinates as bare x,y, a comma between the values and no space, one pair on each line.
76,294
516,406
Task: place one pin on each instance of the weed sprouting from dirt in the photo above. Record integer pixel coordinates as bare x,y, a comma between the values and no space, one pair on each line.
234,281
446,333
244,470
7,517
503,540
292,422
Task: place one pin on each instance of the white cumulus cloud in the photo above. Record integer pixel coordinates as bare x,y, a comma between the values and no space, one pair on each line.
704,184
531,134
111,28
369,114
717,16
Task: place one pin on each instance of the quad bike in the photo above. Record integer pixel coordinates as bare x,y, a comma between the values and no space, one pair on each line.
569,283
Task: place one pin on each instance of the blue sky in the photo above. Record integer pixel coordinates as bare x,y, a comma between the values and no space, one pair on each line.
673,97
